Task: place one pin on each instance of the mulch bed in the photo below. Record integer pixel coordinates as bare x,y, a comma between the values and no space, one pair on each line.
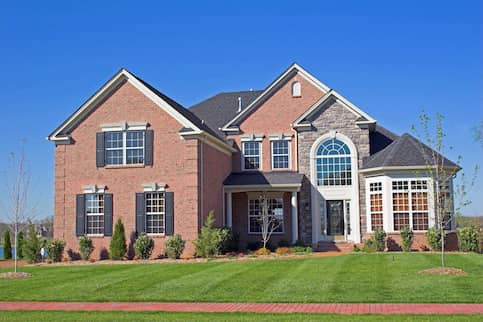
13,275
443,271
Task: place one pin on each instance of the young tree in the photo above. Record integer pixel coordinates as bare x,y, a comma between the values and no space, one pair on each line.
7,245
117,247
442,172
269,223
18,208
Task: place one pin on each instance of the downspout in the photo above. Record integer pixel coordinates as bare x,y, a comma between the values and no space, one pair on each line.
201,183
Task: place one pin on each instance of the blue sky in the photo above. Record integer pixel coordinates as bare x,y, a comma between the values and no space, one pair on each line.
390,58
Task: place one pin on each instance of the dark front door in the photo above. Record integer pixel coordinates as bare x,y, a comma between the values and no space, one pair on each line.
335,217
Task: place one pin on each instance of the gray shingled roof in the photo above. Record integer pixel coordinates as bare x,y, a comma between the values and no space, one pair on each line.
263,178
184,111
218,110
404,151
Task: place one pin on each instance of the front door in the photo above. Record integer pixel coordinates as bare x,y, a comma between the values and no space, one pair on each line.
335,219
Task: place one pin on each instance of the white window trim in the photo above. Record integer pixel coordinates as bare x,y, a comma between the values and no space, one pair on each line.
260,155
163,214
272,155
283,215
93,214
410,201
368,203
125,148
299,89
124,126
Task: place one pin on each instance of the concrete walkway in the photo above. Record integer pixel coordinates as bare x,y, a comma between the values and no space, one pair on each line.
338,308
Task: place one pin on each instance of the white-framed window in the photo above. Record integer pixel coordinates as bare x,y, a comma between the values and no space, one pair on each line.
94,214
275,211
124,147
334,167
296,89
155,212
251,155
376,205
410,204
280,154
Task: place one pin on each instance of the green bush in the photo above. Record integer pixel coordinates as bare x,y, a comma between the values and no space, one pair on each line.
308,249
20,243
380,240
210,240
356,249
433,237
85,247
370,246
175,246
407,239
468,239
31,247
7,245
55,249
117,247
299,243
143,246
302,249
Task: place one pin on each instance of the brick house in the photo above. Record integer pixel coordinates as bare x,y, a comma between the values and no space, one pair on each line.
330,173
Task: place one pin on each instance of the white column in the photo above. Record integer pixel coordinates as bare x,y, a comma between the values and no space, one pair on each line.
229,221
295,225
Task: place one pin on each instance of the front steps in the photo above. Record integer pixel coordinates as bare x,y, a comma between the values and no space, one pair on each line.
330,246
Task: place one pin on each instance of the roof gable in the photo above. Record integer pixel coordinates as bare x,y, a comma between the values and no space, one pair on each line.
273,87
186,118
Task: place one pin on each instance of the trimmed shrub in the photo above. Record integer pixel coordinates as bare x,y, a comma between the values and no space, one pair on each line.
263,251
356,249
85,247
370,246
407,239
55,249
433,237
175,246
7,245
143,246
302,249
230,242
20,243
468,239
31,247
283,251
117,247
211,241
308,250
380,240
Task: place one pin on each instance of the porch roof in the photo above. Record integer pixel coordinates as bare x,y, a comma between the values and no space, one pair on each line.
278,179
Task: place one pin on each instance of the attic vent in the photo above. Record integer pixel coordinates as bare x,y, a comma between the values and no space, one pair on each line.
239,104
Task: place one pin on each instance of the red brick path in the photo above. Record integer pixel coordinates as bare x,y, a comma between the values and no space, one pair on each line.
338,308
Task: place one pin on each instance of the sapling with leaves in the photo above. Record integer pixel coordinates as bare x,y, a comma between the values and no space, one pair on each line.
442,171
269,222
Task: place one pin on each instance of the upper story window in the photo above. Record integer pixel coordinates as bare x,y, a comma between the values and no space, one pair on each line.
124,147
280,154
334,164
94,213
296,89
410,204
251,155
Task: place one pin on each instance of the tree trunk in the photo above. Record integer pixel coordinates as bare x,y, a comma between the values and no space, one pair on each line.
442,246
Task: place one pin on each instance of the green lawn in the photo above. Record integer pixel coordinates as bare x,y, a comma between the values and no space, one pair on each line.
390,277
169,316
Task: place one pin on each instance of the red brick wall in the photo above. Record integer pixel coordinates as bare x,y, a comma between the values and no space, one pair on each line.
240,220
175,163
216,167
276,116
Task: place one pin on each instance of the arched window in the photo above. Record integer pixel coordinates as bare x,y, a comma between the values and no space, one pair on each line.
333,164
296,90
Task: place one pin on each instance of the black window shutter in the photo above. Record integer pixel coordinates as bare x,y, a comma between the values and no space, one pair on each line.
108,214
140,214
148,147
169,213
100,158
80,209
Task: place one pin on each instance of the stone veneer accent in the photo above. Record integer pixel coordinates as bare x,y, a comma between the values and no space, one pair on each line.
334,117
